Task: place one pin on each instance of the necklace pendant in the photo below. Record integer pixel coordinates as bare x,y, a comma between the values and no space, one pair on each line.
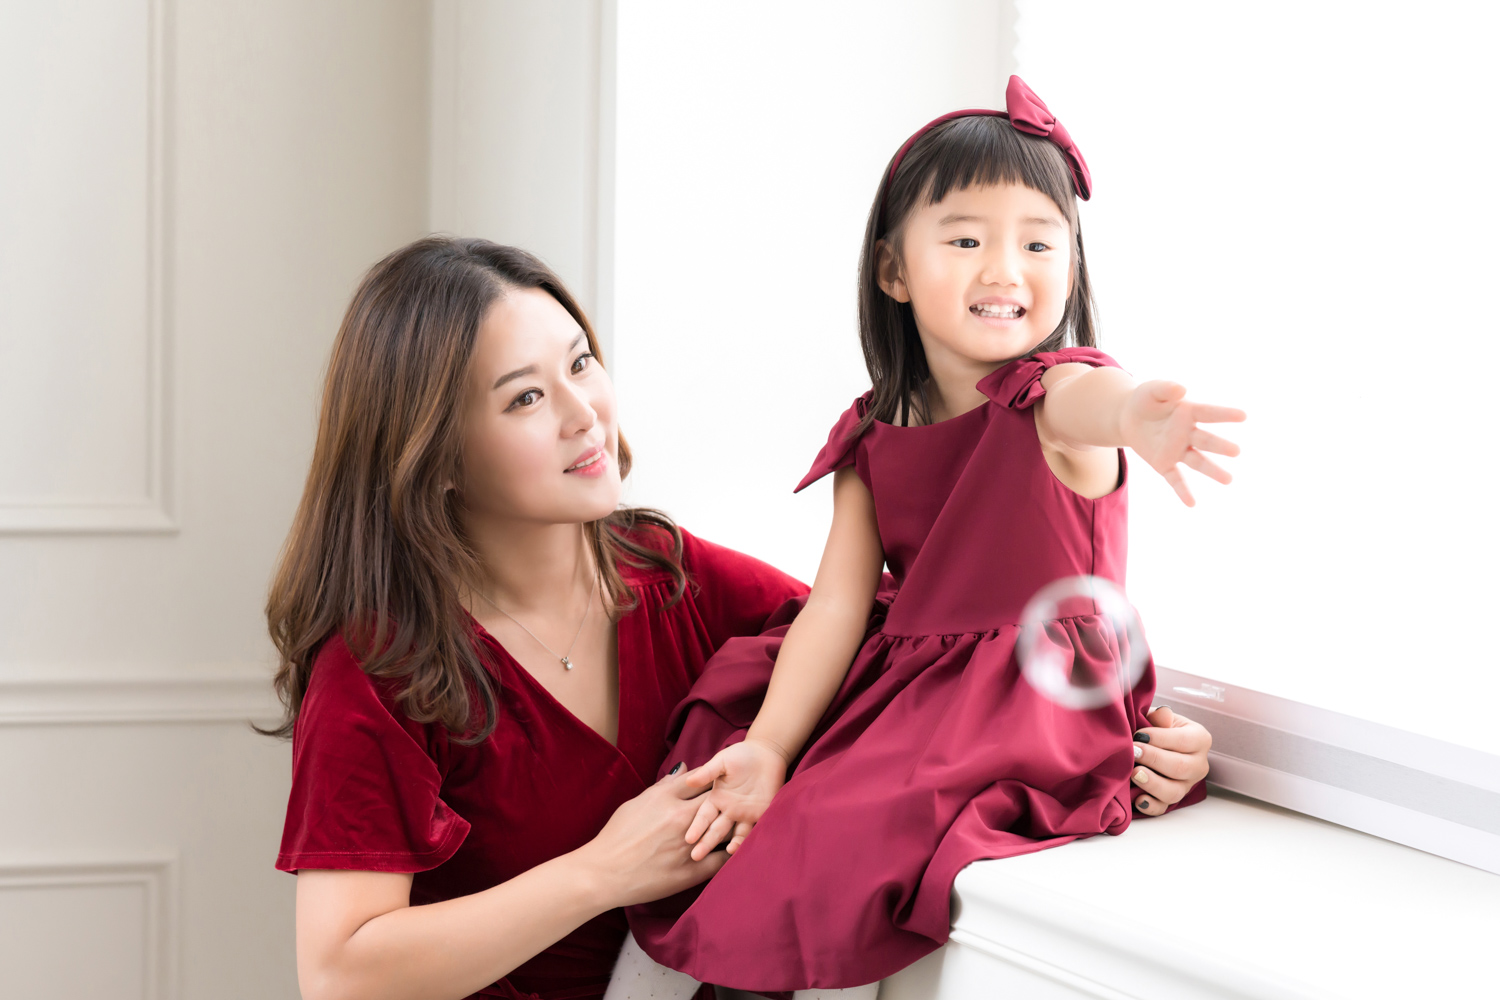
567,663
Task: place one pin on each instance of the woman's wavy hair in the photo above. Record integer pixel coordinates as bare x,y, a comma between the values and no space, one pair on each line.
377,551
975,149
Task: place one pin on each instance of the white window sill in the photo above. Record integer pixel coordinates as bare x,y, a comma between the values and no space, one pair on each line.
1228,898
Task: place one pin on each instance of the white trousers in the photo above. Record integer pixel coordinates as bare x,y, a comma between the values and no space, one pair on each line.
638,977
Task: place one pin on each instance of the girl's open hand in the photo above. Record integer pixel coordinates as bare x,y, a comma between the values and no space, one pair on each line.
745,777
1159,424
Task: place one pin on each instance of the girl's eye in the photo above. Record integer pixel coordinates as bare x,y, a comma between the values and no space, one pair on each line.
1038,247
965,243
527,398
581,362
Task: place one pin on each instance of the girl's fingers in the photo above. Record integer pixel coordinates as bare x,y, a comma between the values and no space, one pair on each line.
1199,462
1202,440
1189,737
1169,763
1162,789
702,777
741,831
1203,413
1147,806
715,836
1175,480
707,813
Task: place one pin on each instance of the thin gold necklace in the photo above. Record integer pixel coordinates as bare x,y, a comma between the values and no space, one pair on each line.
564,659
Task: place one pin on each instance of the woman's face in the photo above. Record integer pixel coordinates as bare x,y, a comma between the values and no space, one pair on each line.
540,440
987,271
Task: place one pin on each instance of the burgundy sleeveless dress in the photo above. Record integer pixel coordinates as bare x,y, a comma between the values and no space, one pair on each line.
935,752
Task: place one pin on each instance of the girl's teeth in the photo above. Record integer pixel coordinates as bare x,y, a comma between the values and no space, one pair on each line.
996,312
585,465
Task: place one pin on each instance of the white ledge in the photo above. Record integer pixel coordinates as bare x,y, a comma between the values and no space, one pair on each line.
1228,898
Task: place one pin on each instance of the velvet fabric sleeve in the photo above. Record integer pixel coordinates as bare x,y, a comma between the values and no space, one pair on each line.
735,594
365,779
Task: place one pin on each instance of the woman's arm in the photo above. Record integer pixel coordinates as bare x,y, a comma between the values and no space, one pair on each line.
359,937
1087,412
813,660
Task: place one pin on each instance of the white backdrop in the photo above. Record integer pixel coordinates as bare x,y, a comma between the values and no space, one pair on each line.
749,148
1293,214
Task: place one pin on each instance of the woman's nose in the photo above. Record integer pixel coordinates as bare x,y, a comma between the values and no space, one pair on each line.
579,415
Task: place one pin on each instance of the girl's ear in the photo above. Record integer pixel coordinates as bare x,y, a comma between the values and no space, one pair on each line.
888,272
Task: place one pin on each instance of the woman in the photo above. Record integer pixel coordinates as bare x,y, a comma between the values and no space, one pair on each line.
480,648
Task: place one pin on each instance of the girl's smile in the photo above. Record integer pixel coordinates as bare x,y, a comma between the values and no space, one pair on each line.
997,311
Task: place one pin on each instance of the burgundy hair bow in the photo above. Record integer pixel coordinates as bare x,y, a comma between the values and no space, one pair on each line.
1028,114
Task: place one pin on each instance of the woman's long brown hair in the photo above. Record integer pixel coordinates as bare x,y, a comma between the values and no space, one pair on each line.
377,552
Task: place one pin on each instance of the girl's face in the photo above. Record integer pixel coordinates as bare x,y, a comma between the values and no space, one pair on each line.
987,271
540,441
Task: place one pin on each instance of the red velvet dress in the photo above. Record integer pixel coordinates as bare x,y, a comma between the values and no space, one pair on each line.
374,791
935,752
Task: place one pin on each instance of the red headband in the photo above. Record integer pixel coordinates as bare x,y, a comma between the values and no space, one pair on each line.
1026,113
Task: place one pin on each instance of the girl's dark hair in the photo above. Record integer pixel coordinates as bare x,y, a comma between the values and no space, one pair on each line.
377,551
975,149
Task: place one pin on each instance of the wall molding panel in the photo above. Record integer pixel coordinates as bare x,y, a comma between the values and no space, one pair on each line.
55,696
145,504
155,876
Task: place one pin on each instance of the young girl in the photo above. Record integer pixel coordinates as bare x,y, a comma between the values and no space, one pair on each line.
984,464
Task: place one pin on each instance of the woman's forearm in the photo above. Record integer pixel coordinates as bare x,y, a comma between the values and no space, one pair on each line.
446,949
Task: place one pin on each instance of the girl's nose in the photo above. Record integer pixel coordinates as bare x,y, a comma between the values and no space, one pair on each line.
1002,267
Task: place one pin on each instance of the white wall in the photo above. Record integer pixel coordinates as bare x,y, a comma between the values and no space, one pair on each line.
1292,215
516,132
749,145
189,191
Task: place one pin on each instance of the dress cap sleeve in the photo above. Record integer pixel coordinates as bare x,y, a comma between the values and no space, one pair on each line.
1018,385
365,790
839,451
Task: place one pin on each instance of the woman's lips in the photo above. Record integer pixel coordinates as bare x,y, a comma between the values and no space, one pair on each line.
592,464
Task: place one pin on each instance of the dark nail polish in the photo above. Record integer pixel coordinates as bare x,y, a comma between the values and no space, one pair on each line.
680,765
1142,737
1141,804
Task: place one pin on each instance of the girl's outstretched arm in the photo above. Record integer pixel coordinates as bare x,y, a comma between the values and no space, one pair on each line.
1087,412
814,658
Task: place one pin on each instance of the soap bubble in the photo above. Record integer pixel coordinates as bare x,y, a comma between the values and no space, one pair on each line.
1109,656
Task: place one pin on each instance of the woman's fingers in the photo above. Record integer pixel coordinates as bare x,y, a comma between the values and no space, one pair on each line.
1162,716
707,813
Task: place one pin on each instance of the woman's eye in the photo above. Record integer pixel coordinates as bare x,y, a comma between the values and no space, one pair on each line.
581,362
527,398
965,243
1038,247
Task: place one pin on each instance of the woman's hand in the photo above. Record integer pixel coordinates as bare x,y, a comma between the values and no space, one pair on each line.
1159,424
1172,756
641,854
745,778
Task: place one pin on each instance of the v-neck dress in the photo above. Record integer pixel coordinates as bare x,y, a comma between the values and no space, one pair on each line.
373,790
935,752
